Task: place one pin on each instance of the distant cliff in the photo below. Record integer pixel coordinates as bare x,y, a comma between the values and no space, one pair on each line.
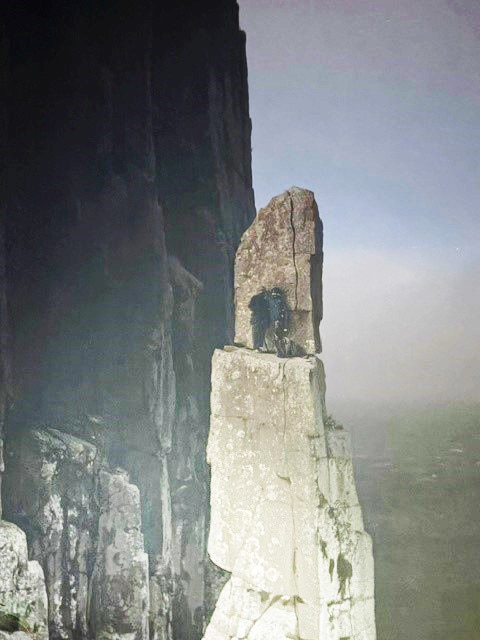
126,186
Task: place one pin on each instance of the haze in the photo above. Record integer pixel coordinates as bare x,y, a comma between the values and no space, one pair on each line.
374,105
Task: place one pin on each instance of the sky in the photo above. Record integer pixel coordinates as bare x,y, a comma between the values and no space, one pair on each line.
375,106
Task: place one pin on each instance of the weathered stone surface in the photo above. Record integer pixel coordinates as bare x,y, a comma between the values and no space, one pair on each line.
22,585
148,155
119,596
283,248
84,526
51,491
161,599
285,518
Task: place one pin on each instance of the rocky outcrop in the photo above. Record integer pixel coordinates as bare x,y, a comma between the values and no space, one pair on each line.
283,248
285,518
84,521
285,515
128,143
119,592
22,587
51,493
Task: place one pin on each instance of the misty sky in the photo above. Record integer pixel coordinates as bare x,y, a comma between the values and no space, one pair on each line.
375,106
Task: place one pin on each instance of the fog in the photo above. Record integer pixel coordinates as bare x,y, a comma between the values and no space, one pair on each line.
400,327
375,107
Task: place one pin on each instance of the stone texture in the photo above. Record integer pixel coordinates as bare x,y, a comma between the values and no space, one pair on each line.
22,585
283,248
83,521
51,492
119,592
285,518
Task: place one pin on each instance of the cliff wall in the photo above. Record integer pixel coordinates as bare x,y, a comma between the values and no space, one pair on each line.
126,185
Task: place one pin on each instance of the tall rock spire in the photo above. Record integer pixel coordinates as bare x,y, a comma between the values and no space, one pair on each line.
285,517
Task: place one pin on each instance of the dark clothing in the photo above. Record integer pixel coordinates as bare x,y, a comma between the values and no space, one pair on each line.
270,314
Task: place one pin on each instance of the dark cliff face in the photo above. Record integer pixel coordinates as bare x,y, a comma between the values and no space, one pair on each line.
127,141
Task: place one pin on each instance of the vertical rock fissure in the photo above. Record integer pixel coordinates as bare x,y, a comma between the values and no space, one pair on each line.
293,248
284,412
128,143
287,476
66,560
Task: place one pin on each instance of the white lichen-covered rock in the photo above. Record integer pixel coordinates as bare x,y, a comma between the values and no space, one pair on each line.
283,248
285,518
84,523
119,601
52,489
22,585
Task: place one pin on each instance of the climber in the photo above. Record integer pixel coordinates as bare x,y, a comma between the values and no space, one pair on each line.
269,322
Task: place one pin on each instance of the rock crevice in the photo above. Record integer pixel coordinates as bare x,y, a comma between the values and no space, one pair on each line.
294,257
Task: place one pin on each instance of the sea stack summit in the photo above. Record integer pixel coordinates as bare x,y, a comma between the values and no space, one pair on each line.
285,517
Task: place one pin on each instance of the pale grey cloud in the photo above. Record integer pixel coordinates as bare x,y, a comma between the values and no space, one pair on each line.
400,328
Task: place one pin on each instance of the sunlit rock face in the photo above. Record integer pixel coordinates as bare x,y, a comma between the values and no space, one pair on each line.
285,515
285,518
22,586
82,519
283,248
